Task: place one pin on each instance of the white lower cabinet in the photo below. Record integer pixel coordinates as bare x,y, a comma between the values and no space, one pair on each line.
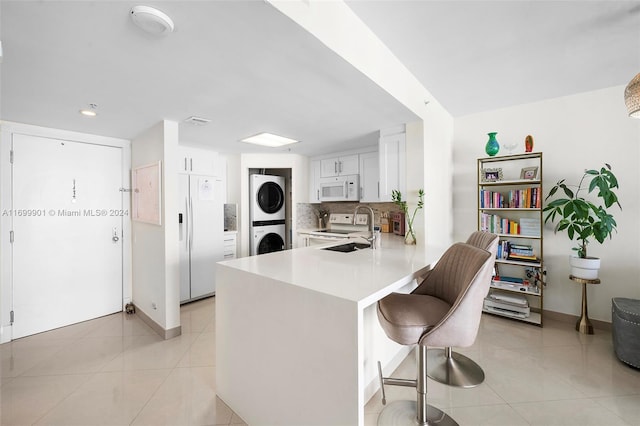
230,245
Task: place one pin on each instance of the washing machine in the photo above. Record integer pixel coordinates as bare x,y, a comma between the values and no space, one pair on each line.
267,198
267,238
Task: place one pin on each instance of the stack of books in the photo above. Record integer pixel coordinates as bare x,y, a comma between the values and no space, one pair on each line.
520,252
498,225
515,305
530,226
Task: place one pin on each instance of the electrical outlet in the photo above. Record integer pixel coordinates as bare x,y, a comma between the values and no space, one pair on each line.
154,306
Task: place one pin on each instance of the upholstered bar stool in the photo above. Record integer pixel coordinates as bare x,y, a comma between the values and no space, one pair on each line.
445,312
452,368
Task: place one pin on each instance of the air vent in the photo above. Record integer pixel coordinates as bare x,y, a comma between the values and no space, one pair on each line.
197,121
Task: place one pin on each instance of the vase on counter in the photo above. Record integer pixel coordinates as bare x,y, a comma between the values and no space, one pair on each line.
410,237
492,147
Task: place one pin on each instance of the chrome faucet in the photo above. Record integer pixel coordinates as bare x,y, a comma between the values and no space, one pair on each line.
372,239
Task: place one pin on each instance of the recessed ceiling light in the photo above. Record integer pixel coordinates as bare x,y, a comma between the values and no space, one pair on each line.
151,20
269,139
91,111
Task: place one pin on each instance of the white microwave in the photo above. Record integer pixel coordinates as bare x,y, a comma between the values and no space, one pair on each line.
340,188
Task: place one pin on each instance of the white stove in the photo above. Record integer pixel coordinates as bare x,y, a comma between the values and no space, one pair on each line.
341,227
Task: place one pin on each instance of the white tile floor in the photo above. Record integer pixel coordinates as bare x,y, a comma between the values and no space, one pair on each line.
534,376
116,371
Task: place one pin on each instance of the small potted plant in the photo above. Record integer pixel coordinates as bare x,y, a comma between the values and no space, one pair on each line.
396,197
583,219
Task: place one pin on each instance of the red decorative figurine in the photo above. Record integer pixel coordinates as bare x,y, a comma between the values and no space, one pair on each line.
528,143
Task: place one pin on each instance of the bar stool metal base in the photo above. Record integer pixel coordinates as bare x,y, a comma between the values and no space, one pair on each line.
453,369
404,413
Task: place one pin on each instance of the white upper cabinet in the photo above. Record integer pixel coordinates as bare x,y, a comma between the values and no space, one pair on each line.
314,178
369,177
392,151
337,166
200,161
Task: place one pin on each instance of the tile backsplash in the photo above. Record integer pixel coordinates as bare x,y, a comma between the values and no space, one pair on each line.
307,214
230,217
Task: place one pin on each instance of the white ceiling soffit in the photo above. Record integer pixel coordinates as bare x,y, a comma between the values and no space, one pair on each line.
241,64
481,55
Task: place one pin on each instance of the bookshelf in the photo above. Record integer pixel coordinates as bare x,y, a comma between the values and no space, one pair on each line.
510,197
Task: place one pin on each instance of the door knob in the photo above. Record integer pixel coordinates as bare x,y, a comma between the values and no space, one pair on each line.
115,237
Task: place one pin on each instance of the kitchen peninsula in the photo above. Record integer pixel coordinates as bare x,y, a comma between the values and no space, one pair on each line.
297,336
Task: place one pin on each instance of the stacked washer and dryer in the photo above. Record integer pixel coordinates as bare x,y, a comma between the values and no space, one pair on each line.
267,213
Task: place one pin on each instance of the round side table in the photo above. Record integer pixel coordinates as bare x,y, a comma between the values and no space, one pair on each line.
584,325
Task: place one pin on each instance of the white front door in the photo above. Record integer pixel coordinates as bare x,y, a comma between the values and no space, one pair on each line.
67,223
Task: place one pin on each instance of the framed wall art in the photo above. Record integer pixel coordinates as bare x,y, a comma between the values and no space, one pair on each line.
147,193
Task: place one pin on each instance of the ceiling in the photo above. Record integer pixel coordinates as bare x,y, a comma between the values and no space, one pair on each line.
479,55
250,69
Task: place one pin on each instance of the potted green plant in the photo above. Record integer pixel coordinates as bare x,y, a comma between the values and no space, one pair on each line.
396,197
585,219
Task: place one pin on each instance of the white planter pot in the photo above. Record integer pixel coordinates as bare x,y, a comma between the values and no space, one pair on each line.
584,268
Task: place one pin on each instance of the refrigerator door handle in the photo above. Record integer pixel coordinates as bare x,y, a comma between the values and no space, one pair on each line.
187,223
190,223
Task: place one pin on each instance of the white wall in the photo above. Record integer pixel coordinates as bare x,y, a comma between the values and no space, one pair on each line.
232,178
574,133
335,24
156,268
299,166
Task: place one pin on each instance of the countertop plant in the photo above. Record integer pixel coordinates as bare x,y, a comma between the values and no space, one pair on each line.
396,197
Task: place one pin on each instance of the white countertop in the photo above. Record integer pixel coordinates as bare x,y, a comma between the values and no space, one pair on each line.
362,276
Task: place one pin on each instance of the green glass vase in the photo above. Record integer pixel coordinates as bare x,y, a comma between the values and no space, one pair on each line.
492,147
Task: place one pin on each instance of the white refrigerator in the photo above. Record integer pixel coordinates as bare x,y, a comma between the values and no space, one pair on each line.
201,227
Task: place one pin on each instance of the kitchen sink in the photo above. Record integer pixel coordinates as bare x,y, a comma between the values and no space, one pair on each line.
348,247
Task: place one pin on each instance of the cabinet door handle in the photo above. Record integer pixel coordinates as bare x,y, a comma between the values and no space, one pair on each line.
340,163
335,167
190,164
378,189
185,164
318,195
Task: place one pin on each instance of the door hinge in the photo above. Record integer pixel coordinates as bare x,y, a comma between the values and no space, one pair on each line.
11,237
11,318
11,156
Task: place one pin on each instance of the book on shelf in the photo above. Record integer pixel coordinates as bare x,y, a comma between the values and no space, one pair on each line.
520,258
523,287
509,307
527,198
498,225
507,249
513,280
530,226
510,299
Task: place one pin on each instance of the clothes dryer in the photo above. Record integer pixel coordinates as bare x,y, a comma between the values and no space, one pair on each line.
267,198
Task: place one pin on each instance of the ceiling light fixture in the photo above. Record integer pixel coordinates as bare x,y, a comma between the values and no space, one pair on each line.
269,139
151,20
91,111
632,97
